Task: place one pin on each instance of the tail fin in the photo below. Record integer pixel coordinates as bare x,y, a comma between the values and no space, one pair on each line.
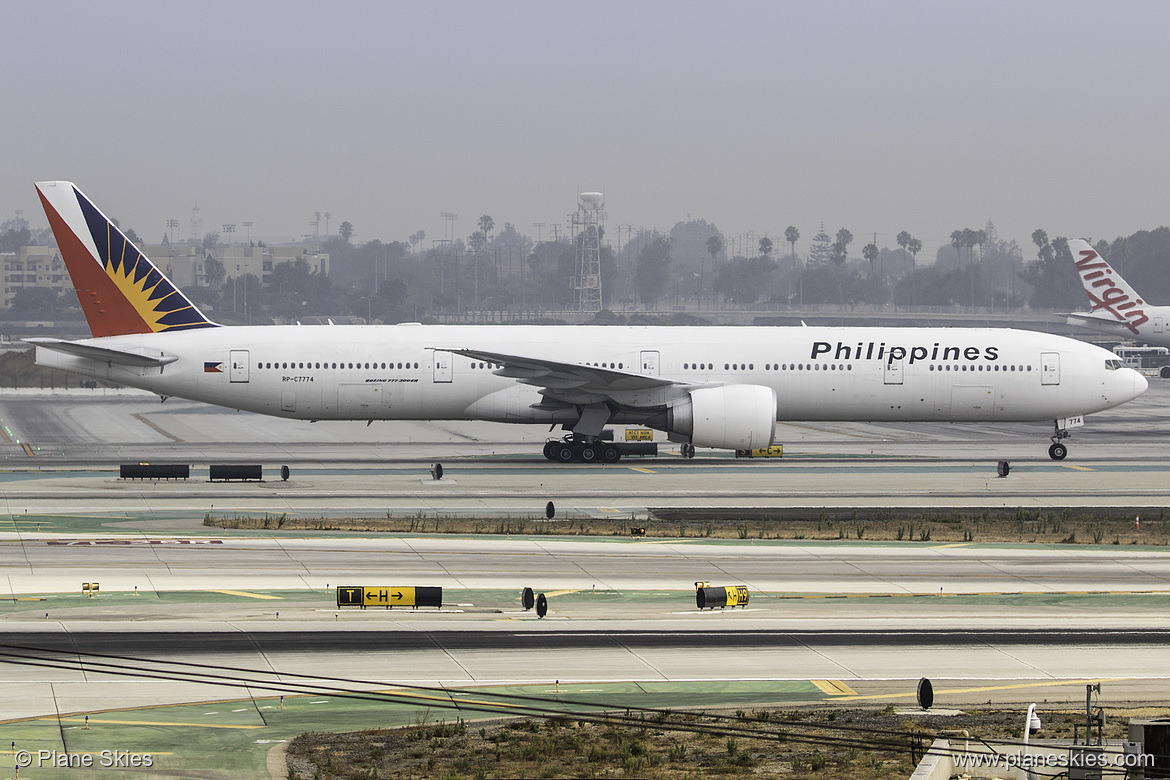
120,290
1111,298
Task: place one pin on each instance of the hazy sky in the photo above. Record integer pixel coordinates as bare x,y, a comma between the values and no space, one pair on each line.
875,116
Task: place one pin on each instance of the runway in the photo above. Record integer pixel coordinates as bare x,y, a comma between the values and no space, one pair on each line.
840,621
861,663
61,450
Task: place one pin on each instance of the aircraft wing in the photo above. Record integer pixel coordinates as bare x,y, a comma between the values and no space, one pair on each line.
579,383
106,354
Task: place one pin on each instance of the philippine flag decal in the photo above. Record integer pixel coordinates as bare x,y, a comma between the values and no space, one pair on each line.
213,368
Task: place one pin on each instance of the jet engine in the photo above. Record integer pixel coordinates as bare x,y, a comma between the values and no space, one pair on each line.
732,417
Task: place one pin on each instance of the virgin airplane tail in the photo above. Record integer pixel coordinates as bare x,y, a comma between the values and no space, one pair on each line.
119,289
1114,306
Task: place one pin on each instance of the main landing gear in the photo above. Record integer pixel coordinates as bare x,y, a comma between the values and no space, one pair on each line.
1058,451
575,447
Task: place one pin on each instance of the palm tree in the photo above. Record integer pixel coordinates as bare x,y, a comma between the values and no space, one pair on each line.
766,246
914,246
957,243
840,255
714,247
870,252
486,224
791,235
904,239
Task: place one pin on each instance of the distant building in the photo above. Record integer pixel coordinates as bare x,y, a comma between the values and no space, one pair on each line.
259,261
186,265
34,266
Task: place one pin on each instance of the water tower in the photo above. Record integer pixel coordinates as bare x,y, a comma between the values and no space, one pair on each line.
587,236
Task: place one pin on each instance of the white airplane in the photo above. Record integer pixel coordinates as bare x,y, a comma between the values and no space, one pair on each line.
719,387
1114,306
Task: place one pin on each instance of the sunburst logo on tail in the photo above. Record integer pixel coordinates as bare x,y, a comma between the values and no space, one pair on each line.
119,289
151,294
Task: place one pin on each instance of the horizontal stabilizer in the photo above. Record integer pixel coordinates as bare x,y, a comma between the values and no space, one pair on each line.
1105,323
121,357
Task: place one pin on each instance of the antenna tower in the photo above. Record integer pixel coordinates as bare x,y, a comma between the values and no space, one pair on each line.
196,224
586,222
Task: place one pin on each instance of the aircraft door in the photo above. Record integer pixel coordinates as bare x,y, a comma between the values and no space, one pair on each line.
893,372
1158,324
443,363
650,362
238,365
1050,368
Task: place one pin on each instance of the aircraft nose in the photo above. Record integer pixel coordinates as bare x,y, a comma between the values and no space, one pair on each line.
1140,384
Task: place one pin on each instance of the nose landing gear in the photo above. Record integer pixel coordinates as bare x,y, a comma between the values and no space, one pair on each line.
1058,451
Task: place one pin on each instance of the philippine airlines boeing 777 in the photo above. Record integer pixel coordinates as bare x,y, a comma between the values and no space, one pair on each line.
720,387
1114,306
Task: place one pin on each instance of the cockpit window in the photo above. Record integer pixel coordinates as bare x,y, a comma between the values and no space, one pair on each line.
1113,365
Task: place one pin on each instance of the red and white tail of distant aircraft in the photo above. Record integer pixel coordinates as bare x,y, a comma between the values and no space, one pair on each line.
1114,306
718,387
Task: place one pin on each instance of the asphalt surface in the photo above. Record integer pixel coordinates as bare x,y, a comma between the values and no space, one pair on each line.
625,613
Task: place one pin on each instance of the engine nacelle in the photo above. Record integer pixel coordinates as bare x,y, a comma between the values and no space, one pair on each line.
731,417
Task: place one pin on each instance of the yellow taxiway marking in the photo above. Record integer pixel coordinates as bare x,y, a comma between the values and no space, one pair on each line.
248,595
27,450
834,687
407,695
954,544
552,593
607,509
154,723
88,753
644,471
1078,468
4,433
985,688
972,593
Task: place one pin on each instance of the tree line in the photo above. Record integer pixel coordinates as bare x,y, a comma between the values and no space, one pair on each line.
693,266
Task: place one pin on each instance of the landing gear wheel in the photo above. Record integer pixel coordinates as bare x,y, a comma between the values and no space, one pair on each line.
1057,451
565,453
688,451
589,453
610,453
550,450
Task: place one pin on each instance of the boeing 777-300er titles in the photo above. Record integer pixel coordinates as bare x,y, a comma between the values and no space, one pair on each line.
1114,306
720,387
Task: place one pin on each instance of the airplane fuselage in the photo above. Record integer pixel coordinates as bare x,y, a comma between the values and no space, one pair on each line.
1153,329
408,372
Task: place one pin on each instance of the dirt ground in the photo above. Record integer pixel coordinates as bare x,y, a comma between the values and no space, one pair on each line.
847,743
1080,525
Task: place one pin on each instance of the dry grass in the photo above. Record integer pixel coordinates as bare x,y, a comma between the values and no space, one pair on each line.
793,743
1079,525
